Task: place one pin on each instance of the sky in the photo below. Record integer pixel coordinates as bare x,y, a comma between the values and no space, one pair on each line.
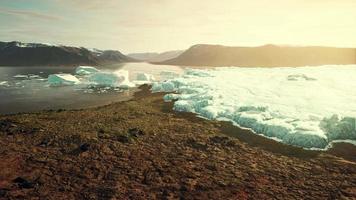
161,25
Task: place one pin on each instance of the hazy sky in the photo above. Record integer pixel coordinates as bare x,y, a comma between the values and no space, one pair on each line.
160,25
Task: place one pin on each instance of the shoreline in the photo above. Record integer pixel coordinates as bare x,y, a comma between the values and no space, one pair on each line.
340,148
228,128
142,149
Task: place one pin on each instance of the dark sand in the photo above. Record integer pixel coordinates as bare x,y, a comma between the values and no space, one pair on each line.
141,149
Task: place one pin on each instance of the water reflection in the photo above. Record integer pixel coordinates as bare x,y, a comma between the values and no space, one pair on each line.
25,89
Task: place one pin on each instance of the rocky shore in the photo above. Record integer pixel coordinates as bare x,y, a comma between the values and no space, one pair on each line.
141,149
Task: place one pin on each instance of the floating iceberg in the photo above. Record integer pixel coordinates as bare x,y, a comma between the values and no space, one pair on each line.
62,80
85,70
144,77
34,76
4,83
21,76
310,107
165,75
126,85
105,79
118,78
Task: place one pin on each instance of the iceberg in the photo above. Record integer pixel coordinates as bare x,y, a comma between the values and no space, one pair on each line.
144,77
310,107
85,70
62,80
105,79
4,83
118,78
21,76
165,75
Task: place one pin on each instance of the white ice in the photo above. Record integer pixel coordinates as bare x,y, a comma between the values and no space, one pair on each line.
144,77
85,70
165,75
21,76
4,83
118,78
308,106
62,80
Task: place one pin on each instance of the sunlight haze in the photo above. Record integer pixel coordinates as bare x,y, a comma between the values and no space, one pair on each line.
160,25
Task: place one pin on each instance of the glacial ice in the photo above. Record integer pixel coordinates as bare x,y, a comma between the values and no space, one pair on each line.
144,77
4,83
62,80
309,107
166,75
85,70
106,79
118,78
21,76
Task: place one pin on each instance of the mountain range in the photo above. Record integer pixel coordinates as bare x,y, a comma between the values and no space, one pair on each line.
263,56
35,54
156,57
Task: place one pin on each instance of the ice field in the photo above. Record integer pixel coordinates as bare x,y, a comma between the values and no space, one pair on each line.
309,107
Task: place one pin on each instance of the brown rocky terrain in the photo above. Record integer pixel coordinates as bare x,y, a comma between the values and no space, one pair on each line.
140,149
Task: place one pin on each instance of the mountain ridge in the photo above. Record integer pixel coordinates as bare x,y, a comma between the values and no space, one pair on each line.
36,54
156,57
262,56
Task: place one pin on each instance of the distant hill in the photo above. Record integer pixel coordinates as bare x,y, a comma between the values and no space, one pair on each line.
33,54
155,57
263,56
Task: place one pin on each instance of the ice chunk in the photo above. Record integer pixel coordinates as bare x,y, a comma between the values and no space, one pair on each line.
291,105
183,105
34,76
62,80
4,83
21,76
145,77
105,79
165,75
126,85
118,78
85,70
163,87
123,73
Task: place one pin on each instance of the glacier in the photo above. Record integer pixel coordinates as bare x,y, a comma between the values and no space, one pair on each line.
310,107
85,70
62,80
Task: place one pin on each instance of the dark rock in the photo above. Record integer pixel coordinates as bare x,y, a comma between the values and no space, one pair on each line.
84,147
45,142
3,192
196,145
10,128
123,138
23,183
135,132
6,125
101,131
219,139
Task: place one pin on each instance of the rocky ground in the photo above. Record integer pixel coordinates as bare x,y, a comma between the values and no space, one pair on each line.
140,149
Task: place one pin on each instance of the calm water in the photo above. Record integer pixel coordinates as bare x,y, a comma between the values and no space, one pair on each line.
25,89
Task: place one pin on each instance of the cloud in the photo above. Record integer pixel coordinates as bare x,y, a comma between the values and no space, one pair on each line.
31,14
